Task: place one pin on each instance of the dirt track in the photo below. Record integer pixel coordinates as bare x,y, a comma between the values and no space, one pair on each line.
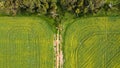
58,50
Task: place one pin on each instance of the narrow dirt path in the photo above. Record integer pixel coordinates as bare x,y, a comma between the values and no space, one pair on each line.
58,49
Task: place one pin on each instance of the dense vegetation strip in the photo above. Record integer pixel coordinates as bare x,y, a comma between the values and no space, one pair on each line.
56,8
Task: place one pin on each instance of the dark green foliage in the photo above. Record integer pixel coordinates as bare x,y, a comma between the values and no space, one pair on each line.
55,8
30,6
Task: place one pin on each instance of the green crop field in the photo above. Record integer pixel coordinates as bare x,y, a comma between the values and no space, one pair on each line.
25,42
92,43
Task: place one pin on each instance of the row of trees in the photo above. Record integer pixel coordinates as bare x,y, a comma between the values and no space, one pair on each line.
54,7
30,6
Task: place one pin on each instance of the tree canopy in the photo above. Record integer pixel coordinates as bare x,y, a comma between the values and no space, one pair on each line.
54,7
